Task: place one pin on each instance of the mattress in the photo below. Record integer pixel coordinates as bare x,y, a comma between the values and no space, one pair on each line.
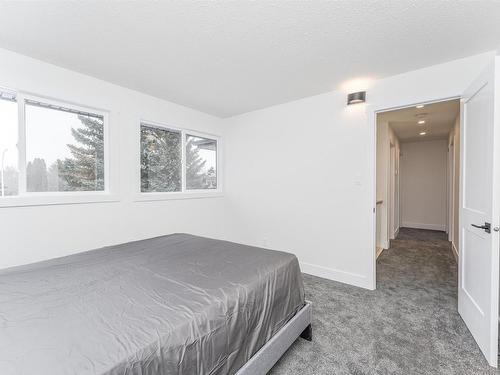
176,304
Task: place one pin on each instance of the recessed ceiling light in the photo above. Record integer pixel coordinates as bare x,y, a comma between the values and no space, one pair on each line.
421,122
419,106
422,133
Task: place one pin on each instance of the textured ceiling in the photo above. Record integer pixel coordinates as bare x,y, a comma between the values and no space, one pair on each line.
226,58
439,119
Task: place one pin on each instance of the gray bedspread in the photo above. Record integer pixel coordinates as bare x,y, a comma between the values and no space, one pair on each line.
176,304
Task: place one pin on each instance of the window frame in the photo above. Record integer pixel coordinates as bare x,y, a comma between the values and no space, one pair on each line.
25,198
184,193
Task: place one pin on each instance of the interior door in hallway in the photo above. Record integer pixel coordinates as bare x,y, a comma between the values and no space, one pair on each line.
478,274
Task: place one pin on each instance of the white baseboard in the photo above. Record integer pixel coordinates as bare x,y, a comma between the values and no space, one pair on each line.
335,275
455,251
408,224
395,234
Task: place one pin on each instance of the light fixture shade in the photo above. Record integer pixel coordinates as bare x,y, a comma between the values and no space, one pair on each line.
356,97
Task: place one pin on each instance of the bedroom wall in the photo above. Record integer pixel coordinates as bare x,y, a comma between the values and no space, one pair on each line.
300,175
29,234
423,184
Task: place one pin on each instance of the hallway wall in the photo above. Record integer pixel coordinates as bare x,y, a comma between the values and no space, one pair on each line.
423,184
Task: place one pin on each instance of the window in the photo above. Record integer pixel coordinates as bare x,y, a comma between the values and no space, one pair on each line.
64,149
50,149
201,163
161,159
9,171
176,161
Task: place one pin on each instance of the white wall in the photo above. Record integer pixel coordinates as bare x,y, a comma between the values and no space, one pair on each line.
423,184
300,176
29,234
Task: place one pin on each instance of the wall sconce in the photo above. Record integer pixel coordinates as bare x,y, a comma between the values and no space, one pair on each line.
356,97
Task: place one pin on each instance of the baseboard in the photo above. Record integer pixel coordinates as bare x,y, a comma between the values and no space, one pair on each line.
395,234
335,275
407,224
455,251
379,251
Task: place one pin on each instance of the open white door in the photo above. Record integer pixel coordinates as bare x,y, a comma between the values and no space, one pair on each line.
478,275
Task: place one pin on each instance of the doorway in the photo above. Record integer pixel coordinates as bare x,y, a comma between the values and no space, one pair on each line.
420,150
418,170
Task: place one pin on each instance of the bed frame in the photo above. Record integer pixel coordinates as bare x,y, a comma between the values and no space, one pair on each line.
262,361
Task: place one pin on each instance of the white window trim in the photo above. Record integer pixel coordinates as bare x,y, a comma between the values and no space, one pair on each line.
25,198
184,194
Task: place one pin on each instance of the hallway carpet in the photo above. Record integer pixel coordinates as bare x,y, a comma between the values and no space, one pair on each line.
409,325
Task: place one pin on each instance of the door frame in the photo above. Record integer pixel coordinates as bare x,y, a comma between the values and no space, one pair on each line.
392,192
372,112
450,222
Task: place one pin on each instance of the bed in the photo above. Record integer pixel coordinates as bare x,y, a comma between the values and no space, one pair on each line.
176,304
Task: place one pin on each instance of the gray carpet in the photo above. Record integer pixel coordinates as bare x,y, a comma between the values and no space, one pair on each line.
409,325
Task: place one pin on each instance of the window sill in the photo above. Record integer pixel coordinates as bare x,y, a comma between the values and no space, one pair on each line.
149,197
50,199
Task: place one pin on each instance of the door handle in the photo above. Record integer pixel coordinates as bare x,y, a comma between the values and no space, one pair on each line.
486,227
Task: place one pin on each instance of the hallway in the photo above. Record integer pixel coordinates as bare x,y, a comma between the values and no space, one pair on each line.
409,325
